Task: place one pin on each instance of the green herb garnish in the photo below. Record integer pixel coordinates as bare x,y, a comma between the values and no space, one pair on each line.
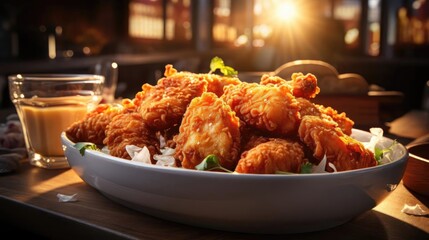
379,153
82,146
211,162
218,64
305,168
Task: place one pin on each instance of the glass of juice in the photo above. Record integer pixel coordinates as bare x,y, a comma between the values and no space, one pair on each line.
47,104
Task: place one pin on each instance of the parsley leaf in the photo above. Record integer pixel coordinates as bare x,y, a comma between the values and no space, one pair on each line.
211,162
82,146
306,167
218,64
380,153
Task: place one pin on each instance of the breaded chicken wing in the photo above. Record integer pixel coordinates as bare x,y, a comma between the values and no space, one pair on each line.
345,123
272,156
268,108
162,106
208,127
215,82
129,129
324,137
92,127
300,85
308,108
252,141
168,136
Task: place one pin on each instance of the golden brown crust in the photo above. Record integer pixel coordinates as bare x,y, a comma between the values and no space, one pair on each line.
328,113
208,127
345,123
92,127
162,106
304,85
268,108
324,137
216,83
272,156
300,85
129,129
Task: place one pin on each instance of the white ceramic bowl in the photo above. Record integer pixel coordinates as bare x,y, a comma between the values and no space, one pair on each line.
251,203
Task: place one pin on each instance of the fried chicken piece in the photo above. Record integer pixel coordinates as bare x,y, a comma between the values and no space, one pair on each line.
168,135
92,127
301,85
308,108
324,137
163,105
272,156
268,108
208,127
250,137
253,141
129,129
129,105
345,123
215,82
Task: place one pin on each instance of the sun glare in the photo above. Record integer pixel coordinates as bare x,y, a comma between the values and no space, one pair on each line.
287,11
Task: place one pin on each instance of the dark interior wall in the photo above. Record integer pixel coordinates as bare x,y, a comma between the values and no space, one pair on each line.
407,75
75,23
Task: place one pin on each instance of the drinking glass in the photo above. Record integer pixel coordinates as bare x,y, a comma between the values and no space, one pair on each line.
109,70
46,105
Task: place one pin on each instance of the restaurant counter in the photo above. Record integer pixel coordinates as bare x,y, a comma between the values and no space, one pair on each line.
29,206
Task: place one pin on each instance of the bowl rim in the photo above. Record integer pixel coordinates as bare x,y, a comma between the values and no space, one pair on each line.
411,155
134,164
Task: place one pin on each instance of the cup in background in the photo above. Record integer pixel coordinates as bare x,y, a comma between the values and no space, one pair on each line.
46,105
109,70
425,101
416,176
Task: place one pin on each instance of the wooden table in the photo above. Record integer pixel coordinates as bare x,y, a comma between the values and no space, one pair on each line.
413,124
28,200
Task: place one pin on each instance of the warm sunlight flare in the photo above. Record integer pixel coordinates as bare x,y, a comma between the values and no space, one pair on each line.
47,188
287,11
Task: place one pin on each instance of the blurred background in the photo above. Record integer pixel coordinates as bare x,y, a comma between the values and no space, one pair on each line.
384,41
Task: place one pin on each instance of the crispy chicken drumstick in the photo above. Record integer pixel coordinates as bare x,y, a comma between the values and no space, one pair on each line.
324,137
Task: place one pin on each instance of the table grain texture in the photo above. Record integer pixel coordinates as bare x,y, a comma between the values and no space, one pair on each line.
29,206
